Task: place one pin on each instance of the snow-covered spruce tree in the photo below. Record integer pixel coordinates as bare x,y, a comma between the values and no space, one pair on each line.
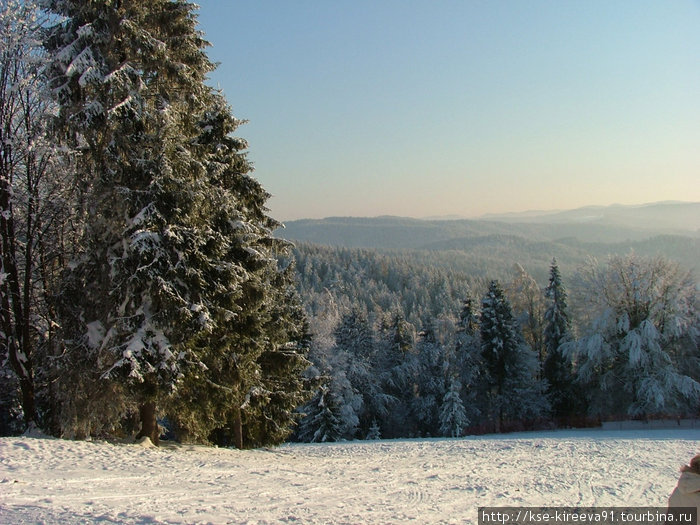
354,337
269,410
453,416
323,421
347,403
642,319
563,395
375,431
179,265
129,77
35,196
332,366
514,393
423,385
396,371
254,355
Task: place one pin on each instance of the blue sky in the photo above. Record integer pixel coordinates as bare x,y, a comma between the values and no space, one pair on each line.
431,108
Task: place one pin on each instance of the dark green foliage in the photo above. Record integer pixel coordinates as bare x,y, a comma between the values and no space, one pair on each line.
513,392
178,295
323,419
565,397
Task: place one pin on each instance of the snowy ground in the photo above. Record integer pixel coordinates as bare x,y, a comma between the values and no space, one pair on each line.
427,481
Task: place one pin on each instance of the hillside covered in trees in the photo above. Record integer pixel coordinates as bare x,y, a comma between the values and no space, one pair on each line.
404,347
489,247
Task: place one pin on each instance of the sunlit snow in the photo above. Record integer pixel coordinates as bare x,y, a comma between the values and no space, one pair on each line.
426,481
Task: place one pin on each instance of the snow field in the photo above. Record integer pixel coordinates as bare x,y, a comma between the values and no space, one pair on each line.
424,481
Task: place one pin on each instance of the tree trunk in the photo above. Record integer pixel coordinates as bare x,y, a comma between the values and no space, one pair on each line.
28,402
237,429
149,425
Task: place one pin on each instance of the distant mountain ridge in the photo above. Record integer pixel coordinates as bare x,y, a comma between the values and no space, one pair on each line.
669,216
611,224
668,229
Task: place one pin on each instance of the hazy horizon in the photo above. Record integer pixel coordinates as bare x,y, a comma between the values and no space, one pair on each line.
422,109
528,212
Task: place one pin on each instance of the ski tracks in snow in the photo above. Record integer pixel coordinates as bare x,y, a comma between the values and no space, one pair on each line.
423,481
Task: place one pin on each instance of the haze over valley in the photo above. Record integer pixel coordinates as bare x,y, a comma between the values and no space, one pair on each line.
488,247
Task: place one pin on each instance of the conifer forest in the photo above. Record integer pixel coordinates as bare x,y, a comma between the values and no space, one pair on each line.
145,290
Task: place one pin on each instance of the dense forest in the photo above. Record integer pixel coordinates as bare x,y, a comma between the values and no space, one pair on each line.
405,348
489,248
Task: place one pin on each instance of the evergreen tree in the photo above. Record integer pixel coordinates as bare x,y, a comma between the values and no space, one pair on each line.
466,361
514,394
528,307
335,396
178,284
129,77
424,394
270,415
355,336
397,371
565,399
256,356
453,416
375,431
468,319
323,421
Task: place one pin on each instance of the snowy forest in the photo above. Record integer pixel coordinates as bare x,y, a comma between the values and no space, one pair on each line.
406,349
145,288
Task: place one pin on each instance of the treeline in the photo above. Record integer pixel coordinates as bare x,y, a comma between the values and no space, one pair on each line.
404,350
487,249
140,279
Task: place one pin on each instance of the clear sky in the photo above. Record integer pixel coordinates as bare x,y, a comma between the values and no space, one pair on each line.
432,108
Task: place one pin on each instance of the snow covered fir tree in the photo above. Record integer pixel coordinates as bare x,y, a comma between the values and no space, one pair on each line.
177,301
513,391
145,288
563,393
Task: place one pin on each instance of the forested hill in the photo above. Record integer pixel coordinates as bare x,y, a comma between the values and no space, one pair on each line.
488,249
613,224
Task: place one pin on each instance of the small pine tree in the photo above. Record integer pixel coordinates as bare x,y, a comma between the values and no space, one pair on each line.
453,416
374,431
323,418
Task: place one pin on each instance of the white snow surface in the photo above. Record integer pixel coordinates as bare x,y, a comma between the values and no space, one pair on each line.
51,481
